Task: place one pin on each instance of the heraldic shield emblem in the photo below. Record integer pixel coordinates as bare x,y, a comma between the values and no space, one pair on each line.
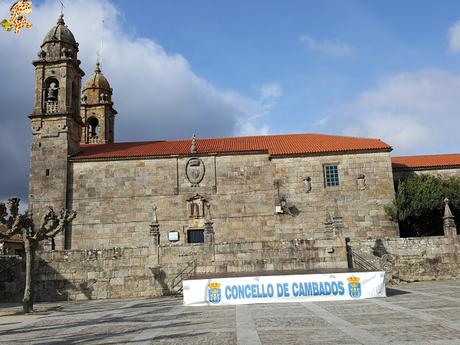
195,171
354,287
214,292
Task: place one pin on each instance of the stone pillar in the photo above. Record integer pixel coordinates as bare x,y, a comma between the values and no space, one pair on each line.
450,230
155,234
208,232
329,226
333,225
154,243
208,228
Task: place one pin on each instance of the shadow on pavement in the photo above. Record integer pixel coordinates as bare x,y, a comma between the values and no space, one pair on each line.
395,292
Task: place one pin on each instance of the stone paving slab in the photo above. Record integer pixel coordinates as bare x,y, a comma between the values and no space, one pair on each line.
416,313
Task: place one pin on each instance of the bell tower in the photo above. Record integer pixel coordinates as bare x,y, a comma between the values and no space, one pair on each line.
55,120
97,110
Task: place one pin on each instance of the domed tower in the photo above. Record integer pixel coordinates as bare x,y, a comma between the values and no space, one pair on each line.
97,110
55,120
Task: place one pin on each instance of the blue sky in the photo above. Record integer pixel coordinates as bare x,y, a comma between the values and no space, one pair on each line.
243,44
385,69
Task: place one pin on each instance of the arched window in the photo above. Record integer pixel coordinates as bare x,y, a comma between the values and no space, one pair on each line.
93,127
51,95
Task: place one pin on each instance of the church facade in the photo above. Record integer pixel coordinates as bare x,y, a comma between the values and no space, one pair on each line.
279,187
150,214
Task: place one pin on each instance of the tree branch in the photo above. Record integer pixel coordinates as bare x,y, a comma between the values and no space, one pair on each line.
13,222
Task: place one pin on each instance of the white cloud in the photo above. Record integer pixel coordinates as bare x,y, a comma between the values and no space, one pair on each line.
270,91
248,128
269,94
454,37
415,112
334,47
156,93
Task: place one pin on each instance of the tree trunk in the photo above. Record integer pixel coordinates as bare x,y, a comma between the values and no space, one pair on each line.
28,300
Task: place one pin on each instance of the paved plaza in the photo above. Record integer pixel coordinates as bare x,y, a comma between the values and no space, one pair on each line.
416,313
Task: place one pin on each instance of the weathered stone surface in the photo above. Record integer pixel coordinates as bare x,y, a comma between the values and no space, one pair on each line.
416,258
446,173
115,198
134,272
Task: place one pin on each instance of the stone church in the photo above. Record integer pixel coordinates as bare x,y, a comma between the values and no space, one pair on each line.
278,187
263,187
147,209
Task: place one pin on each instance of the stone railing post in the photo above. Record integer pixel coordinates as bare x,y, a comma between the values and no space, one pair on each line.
208,232
208,226
450,229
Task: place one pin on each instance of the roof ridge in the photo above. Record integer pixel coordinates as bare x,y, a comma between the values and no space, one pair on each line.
429,155
247,137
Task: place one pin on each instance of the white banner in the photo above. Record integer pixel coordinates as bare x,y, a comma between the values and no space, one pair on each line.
284,288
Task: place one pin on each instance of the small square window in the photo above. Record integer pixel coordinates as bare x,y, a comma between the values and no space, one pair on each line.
195,236
331,175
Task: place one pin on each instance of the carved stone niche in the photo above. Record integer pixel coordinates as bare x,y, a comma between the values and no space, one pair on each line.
196,207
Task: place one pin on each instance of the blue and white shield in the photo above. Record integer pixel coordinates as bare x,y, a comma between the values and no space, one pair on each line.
214,295
354,290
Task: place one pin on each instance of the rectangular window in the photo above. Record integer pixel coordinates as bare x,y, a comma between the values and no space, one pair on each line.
331,175
195,236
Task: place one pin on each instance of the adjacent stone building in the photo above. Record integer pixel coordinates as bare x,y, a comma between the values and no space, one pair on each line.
11,246
446,166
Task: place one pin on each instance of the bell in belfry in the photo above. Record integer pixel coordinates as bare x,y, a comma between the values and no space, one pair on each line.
52,93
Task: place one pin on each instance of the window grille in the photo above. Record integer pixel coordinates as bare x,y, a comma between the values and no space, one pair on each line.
331,175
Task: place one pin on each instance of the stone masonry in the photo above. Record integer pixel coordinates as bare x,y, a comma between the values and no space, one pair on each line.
445,173
158,270
114,199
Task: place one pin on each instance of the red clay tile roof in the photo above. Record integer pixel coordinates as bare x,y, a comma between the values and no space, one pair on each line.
13,239
427,161
274,145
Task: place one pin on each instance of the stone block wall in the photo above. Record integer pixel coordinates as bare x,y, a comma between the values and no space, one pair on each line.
134,272
94,274
416,258
446,173
360,206
114,199
11,278
258,256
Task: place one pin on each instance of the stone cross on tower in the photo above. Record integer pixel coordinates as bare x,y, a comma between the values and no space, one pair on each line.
450,230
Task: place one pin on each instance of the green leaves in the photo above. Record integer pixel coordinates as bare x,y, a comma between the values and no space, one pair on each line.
419,204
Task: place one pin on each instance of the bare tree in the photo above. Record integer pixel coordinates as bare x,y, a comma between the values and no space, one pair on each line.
50,225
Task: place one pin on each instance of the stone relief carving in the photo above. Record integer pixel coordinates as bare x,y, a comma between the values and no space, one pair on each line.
361,180
66,53
36,127
195,171
41,54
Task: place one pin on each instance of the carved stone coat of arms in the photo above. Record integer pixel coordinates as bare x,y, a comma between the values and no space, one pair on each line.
195,170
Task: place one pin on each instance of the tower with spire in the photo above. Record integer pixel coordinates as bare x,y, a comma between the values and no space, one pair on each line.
97,110
56,122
